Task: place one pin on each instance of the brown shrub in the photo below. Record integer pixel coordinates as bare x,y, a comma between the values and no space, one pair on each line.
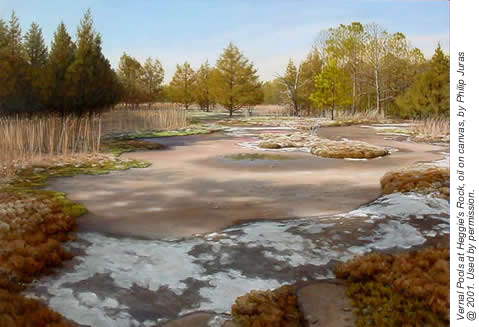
277,308
347,149
425,180
30,246
407,289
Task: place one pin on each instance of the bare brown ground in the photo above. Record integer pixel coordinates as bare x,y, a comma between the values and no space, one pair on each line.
190,188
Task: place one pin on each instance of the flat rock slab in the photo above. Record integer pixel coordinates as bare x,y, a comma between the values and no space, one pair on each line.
193,320
191,189
324,304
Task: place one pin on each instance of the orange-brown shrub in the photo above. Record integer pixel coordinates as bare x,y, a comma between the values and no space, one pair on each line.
275,308
417,179
30,246
407,289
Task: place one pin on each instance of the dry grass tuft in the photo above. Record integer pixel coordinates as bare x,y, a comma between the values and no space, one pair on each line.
268,309
24,139
409,289
372,115
431,130
421,179
274,110
122,119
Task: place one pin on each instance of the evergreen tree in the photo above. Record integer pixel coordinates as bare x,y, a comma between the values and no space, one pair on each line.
333,88
181,85
36,54
203,88
309,68
237,83
13,68
35,48
130,73
429,95
61,56
90,76
152,78
272,92
292,83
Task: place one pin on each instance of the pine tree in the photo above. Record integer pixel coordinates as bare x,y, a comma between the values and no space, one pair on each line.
130,73
333,88
61,56
35,48
91,79
13,68
429,95
36,54
152,78
237,84
181,85
203,87
292,82
309,68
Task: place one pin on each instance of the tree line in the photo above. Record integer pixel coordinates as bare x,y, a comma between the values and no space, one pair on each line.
350,67
361,67
71,77
232,83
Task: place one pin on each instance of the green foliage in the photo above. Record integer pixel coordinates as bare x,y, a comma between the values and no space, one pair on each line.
332,88
13,67
203,87
309,68
236,82
140,83
129,74
62,54
70,79
92,80
272,92
181,88
152,78
429,95
36,55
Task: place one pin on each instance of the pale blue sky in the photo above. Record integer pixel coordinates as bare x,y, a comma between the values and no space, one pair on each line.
269,32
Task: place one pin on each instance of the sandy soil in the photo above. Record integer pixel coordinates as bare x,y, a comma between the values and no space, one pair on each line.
192,189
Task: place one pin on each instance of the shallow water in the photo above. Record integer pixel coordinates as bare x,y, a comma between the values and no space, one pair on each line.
134,282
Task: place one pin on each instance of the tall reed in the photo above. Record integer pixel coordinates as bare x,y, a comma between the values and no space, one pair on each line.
24,139
432,127
123,119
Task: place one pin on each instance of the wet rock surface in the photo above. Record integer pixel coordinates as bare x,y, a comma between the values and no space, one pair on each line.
133,282
324,304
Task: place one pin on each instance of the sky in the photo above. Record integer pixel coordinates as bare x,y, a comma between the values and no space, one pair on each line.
268,32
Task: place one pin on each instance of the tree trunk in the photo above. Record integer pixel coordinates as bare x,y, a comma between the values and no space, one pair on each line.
378,93
231,112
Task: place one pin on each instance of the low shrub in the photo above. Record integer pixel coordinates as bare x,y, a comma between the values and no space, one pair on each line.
408,289
421,179
347,149
277,308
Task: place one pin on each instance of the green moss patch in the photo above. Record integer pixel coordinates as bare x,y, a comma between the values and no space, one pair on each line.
408,289
119,143
259,156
